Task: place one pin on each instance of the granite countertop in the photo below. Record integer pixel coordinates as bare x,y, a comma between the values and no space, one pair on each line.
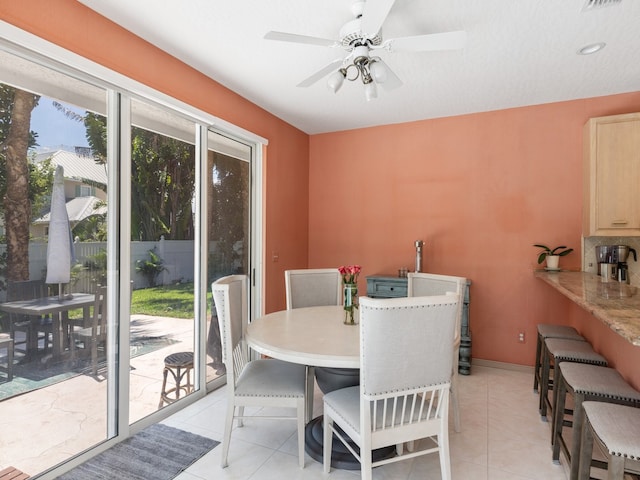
616,304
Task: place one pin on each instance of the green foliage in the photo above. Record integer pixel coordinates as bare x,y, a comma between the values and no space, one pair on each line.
96,266
166,301
151,267
549,251
229,215
162,181
92,228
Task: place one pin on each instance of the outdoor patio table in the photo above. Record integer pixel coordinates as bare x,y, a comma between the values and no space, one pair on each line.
54,306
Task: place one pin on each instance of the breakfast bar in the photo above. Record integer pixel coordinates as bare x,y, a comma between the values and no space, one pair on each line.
616,304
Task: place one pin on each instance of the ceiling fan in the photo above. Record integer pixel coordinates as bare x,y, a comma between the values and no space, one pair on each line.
360,37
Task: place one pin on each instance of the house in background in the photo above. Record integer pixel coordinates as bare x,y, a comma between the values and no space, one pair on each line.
84,187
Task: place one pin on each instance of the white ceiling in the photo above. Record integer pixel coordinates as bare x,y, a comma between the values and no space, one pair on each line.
518,52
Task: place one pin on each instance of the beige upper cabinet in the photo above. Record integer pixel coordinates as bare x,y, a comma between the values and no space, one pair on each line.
612,176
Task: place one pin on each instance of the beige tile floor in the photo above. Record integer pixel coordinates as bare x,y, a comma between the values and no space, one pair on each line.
502,438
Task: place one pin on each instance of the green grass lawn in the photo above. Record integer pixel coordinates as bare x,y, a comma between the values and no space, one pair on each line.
166,301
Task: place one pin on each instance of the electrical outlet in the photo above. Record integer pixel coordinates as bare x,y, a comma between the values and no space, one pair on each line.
521,337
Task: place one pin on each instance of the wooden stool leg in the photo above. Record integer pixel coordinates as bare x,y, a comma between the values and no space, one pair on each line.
577,426
586,452
558,420
538,366
179,387
164,386
616,468
544,385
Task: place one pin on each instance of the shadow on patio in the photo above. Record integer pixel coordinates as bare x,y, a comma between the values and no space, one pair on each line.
52,411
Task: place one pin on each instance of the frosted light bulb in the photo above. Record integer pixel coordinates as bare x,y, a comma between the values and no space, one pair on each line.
370,91
335,81
378,72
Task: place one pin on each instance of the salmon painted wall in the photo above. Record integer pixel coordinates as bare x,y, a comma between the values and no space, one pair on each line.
479,190
71,25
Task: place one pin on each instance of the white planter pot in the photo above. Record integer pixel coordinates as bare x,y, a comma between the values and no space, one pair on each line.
553,262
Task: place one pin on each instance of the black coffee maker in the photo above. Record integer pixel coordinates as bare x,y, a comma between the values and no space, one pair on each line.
621,254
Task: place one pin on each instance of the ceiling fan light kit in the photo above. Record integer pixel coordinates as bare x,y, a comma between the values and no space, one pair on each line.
356,39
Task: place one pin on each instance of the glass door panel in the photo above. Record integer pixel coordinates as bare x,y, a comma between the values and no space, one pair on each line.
163,175
228,223
52,128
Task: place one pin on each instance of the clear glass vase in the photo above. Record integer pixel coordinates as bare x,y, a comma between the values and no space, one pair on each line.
350,303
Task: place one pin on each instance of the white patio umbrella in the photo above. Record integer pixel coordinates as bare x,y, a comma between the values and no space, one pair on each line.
60,252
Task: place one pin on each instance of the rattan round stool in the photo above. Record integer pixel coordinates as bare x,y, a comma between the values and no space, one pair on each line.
179,365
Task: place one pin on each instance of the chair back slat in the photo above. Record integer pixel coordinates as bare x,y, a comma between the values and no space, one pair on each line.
99,326
406,356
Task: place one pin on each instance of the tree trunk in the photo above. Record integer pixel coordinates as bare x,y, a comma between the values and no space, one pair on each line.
16,202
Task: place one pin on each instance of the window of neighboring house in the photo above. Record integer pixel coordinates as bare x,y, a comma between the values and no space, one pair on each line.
85,191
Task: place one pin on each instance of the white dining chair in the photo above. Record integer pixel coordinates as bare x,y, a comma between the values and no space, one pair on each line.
403,396
424,284
253,383
312,287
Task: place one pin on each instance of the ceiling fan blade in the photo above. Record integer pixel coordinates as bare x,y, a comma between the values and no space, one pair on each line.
320,73
374,14
294,38
392,82
427,43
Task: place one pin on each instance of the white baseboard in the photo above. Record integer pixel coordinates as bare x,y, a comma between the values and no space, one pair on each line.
503,365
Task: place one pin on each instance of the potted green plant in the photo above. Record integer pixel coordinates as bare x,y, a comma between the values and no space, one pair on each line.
552,255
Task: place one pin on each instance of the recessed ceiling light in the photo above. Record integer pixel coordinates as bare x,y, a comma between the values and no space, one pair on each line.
593,48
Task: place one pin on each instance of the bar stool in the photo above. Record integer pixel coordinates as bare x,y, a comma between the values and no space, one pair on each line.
585,383
615,428
557,350
550,331
179,365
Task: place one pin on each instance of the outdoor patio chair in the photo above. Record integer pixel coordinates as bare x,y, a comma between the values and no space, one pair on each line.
253,383
312,288
34,328
423,284
95,336
406,357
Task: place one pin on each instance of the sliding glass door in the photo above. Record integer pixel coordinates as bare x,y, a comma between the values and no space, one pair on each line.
54,246
162,319
228,226
158,206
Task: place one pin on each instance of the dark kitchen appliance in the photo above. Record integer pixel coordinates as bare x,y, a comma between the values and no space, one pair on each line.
622,253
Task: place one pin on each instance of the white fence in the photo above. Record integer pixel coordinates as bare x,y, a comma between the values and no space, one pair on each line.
177,255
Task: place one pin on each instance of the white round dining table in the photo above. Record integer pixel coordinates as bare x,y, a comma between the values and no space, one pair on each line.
315,336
